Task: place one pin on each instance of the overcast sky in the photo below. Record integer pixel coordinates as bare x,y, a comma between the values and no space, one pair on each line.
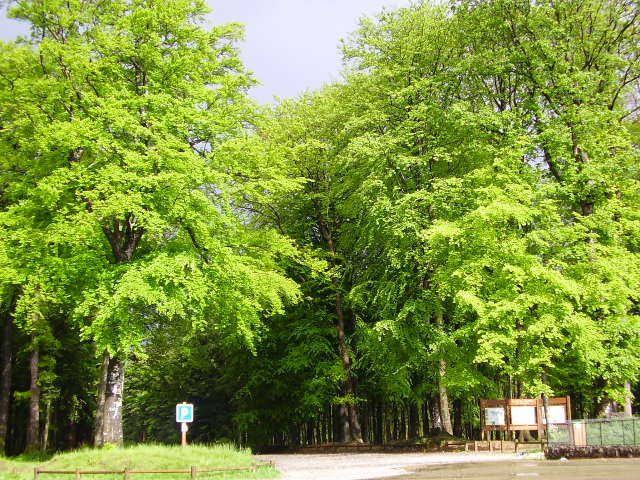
291,45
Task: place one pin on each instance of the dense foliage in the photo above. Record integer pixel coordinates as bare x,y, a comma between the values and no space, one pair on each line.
458,219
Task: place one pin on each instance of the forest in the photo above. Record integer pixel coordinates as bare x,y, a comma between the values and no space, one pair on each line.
457,219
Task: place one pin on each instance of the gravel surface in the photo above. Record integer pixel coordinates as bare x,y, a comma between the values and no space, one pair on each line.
365,466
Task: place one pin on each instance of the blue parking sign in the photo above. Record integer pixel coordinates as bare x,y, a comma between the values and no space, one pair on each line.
184,412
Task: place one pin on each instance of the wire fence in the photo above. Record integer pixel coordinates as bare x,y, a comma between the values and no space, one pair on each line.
601,432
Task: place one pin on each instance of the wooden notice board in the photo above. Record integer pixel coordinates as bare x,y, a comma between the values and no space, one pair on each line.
515,414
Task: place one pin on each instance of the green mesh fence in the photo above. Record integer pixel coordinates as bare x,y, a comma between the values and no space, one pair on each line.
614,431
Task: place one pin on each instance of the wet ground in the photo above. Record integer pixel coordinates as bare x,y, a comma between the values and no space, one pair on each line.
582,469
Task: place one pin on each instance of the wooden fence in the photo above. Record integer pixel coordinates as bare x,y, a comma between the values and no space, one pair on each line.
126,473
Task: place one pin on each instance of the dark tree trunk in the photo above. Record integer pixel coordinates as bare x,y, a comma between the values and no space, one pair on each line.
414,419
378,423
309,432
458,427
5,379
355,431
364,416
388,419
426,428
33,428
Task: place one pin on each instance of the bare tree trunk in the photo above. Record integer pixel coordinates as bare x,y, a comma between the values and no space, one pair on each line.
436,418
355,432
442,389
33,428
545,402
98,434
5,378
458,428
628,404
112,416
343,423
414,418
47,424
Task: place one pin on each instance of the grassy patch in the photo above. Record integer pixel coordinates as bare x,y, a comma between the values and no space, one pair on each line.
139,457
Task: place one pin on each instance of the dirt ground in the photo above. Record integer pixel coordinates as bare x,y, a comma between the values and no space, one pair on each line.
365,466
578,469
450,466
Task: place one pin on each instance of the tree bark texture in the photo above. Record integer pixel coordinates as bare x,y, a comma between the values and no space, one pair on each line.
628,404
98,434
47,424
442,389
112,411
436,418
33,428
5,376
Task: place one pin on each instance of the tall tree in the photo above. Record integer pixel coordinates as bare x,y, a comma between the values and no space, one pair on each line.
128,104
308,134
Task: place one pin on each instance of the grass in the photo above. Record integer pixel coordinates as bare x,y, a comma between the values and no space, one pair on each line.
139,457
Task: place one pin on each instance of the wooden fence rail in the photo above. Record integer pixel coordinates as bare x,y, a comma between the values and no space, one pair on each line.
127,472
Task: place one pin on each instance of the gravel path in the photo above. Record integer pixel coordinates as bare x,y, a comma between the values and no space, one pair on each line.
363,466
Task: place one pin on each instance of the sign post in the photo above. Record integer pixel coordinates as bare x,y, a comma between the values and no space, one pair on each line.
184,415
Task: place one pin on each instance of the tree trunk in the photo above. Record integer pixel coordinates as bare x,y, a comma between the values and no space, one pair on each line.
545,402
442,389
436,418
628,404
414,419
426,429
355,432
47,424
112,412
343,423
98,434
33,428
5,379
458,427
124,237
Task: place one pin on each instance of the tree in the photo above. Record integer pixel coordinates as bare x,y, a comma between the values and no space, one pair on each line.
128,105
307,133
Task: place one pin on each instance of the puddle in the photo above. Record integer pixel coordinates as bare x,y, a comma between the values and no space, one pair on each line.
582,469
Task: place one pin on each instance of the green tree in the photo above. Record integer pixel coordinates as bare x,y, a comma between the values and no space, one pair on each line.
116,159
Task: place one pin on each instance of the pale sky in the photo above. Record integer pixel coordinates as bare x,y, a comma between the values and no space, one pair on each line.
291,45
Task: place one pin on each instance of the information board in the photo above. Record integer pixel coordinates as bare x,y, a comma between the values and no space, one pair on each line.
557,414
494,416
523,415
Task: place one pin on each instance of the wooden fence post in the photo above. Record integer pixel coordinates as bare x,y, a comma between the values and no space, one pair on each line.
77,474
35,473
194,472
125,474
